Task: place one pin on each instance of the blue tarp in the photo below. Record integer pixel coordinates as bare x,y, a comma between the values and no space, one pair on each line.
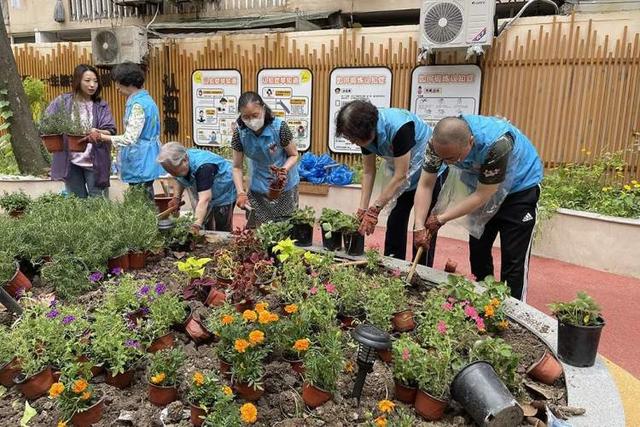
324,170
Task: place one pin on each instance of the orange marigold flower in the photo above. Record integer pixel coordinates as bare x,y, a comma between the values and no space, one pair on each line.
248,413
242,345
386,406
62,424
504,324
489,310
261,306
249,315
495,302
256,337
264,317
86,395
349,367
273,317
291,308
227,390
79,385
227,319
157,379
302,345
56,390
198,378
381,421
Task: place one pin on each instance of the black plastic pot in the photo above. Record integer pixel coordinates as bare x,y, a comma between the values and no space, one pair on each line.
333,243
578,345
303,234
479,390
353,243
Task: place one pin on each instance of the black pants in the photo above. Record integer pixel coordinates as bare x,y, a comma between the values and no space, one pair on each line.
395,241
220,218
515,221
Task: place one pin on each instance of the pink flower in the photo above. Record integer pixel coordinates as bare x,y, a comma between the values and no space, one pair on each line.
463,303
480,323
330,287
405,354
451,300
442,327
396,273
313,290
470,312
447,306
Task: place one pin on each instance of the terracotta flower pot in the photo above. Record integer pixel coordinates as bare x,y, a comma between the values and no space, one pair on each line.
19,283
297,365
162,202
403,321
162,396
53,143
247,392
274,193
35,386
546,370
314,397
215,298
163,342
120,380
405,393
225,368
385,355
121,262
91,415
8,372
197,415
196,330
95,369
429,407
74,145
137,260
450,266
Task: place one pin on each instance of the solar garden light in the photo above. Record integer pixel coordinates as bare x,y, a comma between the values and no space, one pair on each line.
370,340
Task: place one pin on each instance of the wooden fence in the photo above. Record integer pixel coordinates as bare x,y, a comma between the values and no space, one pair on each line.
573,92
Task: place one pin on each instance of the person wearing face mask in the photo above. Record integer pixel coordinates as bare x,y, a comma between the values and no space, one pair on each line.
209,180
139,145
268,143
502,171
85,174
400,137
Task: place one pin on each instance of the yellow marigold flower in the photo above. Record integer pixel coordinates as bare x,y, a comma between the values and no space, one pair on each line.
504,324
291,308
495,302
157,379
62,424
79,385
56,390
488,310
248,413
86,395
249,315
301,345
627,187
242,345
273,317
198,378
227,319
605,189
381,421
386,406
227,390
256,337
264,317
261,306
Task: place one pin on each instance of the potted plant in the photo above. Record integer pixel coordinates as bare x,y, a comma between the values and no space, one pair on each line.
142,233
285,249
265,273
51,127
247,365
225,266
76,398
292,338
11,278
246,246
228,325
379,308
353,240
277,184
545,369
164,376
15,204
435,373
226,413
270,233
348,283
580,324
193,267
204,394
242,291
177,233
295,280
197,287
502,358
303,220
76,131
406,355
403,319
195,327
165,311
9,366
323,364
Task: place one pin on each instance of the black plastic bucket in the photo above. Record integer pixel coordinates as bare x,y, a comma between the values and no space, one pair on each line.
303,234
482,394
578,345
333,243
353,243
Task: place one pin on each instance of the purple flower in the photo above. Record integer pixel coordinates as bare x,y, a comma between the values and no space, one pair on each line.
53,303
143,291
68,319
96,276
161,288
132,343
144,310
116,271
53,314
20,293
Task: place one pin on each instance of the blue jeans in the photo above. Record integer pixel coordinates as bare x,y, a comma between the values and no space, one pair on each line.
81,182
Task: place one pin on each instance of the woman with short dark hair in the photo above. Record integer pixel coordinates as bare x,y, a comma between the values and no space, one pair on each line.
268,143
139,145
85,174
400,137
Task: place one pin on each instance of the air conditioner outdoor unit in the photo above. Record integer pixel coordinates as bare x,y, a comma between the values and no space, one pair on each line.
111,46
455,24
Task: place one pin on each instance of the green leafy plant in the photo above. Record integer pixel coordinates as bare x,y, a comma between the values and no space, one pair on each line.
226,266
319,309
73,393
114,344
582,311
68,275
296,280
56,123
384,296
166,309
164,367
8,163
193,267
34,88
205,390
264,271
436,370
15,202
285,249
7,267
406,356
270,233
304,216
228,326
324,361
8,347
348,283
180,234
350,224
501,356
333,220
224,412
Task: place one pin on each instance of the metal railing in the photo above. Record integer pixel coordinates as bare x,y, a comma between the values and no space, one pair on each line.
95,10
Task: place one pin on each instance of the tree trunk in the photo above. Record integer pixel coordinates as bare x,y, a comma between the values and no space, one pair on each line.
25,139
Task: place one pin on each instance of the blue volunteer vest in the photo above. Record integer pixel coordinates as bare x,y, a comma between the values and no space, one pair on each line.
138,161
223,191
389,121
263,151
527,167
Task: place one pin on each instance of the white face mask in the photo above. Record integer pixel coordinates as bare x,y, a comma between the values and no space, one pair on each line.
255,124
